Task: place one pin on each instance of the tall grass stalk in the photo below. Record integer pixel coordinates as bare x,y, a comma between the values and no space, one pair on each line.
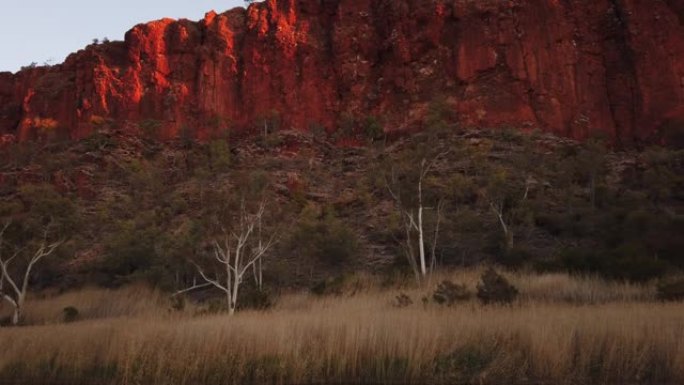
596,333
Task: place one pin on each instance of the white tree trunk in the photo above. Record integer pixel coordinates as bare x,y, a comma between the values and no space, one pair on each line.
18,311
410,252
421,235
233,300
414,222
18,296
433,262
238,255
508,234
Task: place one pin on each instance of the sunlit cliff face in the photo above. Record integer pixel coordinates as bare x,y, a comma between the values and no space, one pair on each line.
575,68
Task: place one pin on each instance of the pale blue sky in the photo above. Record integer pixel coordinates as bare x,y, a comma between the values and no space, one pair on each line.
42,30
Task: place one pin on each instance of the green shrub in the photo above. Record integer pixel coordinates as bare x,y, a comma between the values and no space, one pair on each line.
150,128
464,365
253,298
493,288
214,306
448,293
514,257
186,137
129,250
627,261
671,290
219,155
439,115
402,300
325,238
98,141
269,122
338,246
272,140
329,286
178,303
672,132
346,125
70,314
44,204
373,129
318,131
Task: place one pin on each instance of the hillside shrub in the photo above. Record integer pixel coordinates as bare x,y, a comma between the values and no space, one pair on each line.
671,290
219,155
466,364
329,286
373,129
318,131
514,257
448,293
493,288
150,128
70,314
628,261
255,299
325,238
98,141
129,250
402,300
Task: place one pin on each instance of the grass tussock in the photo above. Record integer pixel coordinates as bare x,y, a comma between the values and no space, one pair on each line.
363,338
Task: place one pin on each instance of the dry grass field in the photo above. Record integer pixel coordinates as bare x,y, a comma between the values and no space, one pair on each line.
561,330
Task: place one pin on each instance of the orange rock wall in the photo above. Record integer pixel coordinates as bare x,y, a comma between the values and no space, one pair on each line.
572,67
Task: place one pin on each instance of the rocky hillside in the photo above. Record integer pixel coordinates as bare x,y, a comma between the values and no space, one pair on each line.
133,208
613,68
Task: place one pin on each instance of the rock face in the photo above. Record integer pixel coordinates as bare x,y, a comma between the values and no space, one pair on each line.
572,67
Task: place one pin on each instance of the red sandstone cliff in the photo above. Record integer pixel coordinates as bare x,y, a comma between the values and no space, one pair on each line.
572,67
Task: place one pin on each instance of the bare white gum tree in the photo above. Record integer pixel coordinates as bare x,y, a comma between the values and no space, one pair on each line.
16,291
237,253
504,193
413,219
497,208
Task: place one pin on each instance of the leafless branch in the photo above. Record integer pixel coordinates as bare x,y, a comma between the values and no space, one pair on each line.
191,288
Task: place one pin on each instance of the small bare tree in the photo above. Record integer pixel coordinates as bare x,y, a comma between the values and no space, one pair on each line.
500,193
413,216
17,289
506,194
498,208
238,252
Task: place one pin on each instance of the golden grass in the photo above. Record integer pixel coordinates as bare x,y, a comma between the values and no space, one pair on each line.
547,287
93,303
364,339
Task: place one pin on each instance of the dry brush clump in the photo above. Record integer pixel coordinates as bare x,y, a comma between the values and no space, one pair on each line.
560,287
494,288
449,293
671,289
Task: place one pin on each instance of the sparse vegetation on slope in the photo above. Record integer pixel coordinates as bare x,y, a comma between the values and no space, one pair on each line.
518,200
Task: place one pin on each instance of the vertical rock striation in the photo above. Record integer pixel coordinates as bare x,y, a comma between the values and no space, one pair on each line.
572,67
